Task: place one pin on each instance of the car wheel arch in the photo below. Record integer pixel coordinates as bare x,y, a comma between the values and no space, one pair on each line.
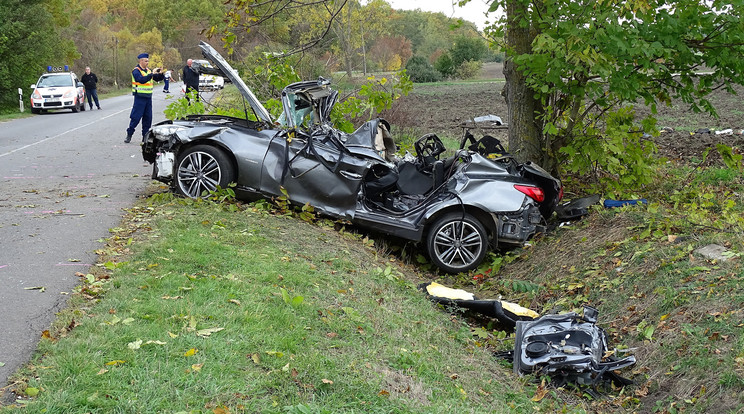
216,144
230,157
484,217
457,241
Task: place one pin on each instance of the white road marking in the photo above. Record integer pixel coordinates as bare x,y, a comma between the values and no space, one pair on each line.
63,133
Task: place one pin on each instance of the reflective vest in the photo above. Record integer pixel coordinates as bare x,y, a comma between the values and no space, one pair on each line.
142,88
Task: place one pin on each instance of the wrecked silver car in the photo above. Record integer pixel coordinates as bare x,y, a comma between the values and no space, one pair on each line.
459,206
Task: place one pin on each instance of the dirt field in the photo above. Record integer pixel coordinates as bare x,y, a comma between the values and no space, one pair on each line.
442,107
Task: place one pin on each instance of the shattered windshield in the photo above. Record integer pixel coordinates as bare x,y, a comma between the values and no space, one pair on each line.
55,81
299,109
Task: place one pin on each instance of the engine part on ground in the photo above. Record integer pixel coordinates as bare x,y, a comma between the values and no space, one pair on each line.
569,348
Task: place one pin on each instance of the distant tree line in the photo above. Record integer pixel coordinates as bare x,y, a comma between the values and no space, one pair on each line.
320,38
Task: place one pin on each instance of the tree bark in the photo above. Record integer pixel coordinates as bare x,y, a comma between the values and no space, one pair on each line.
524,131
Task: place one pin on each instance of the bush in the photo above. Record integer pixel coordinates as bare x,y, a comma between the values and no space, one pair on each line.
444,65
469,69
467,48
420,70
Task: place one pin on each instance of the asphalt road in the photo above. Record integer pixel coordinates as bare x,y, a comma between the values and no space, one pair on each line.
66,177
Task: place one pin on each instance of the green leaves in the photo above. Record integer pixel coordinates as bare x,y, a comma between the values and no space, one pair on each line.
731,159
290,300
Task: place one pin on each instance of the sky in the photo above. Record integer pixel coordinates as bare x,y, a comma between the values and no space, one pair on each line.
473,11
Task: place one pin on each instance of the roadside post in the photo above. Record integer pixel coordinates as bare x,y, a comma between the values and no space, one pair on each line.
20,98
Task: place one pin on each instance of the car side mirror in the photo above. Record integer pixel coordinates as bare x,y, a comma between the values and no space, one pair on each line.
80,84
33,86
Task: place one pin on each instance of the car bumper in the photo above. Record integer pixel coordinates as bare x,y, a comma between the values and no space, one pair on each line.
50,104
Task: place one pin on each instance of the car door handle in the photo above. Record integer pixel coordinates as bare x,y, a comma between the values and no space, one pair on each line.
351,175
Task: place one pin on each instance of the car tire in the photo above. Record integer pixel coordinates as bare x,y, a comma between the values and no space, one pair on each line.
457,242
75,108
201,168
82,107
35,111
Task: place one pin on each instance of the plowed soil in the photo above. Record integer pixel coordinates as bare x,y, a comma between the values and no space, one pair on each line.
442,107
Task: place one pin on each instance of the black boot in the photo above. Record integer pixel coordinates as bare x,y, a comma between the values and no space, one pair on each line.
128,139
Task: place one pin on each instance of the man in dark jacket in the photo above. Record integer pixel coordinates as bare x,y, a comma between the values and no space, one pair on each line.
91,93
191,79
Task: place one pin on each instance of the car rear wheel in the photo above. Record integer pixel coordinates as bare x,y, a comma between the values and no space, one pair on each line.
457,242
202,168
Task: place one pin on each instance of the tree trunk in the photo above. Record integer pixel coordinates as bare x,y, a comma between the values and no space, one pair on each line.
525,133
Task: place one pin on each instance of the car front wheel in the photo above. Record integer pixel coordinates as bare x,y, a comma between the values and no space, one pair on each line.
201,169
457,242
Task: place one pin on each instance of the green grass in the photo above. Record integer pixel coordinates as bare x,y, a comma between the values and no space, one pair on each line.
198,307
300,318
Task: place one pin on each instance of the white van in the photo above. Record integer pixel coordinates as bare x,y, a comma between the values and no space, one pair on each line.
208,82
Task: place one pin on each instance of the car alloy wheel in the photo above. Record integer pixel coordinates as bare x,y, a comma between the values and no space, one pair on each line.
202,168
457,242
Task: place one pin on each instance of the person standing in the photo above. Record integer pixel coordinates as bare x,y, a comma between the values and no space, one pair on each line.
167,81
91,92
191,79
143,81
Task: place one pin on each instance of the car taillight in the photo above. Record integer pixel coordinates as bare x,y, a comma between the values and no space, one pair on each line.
535,193
560,194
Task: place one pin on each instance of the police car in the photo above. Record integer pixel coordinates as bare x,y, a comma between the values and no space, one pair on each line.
57,90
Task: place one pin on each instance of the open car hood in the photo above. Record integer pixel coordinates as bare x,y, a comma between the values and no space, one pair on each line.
226,71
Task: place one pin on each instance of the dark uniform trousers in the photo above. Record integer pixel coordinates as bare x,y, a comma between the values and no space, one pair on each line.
141,109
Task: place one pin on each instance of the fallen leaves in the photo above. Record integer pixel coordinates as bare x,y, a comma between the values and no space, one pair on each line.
542,391
207,332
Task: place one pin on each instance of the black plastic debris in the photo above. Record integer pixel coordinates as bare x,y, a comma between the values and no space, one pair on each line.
575,209
507,313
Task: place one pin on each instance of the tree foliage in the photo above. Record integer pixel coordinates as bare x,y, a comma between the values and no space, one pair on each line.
586,59
390,52
467,49
107,35
29,42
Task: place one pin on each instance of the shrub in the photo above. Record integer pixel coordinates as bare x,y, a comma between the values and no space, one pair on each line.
469,69
444,65
420,70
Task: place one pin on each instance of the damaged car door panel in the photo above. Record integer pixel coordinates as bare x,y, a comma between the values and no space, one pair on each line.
460,206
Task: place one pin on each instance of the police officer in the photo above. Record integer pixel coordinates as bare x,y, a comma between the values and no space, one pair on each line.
142,84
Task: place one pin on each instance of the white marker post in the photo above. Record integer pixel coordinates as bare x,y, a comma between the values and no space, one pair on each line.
20,98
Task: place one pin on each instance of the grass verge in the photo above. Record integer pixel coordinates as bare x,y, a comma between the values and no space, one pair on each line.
200,308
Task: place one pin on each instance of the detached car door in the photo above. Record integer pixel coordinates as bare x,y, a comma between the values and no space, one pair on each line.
314,170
